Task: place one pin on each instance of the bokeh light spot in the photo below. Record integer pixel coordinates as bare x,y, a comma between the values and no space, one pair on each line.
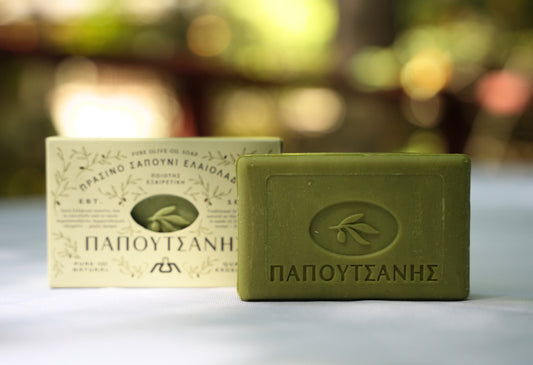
299,23
504,92
423,113
246,112
426,141
376,68
115,102
426,74
208,35
312,110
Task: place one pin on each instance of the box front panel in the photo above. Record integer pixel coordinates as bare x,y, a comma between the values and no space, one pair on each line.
144,212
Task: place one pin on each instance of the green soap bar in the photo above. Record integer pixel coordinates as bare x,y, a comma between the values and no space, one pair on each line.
353,226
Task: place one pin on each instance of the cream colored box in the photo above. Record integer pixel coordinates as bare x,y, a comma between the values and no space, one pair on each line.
144,212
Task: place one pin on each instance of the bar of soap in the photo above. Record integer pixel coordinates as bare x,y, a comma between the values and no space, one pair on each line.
353,226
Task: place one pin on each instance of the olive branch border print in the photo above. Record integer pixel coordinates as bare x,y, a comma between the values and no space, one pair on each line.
62,183
89,159
204,268
201,189
129,230
133,271
85,161
227,159
351,225
69,250
124,190
201,229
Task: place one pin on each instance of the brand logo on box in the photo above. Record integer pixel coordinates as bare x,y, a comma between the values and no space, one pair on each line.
166,267
354,228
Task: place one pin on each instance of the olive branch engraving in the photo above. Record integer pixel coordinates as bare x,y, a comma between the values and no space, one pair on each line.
226,159
89,159
354,228
133,271
129,230
166,220
202,188
57,266
201,229
204,268
68,251
63,185
70,248
122,191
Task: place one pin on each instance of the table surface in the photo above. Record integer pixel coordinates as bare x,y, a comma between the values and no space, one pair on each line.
39,325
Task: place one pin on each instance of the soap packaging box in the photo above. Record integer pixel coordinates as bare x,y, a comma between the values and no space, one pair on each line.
157,212
353,226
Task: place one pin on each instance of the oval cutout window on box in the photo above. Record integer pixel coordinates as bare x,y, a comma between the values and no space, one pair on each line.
164,213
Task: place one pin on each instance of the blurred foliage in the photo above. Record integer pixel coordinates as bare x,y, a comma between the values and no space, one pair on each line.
441,76
24,123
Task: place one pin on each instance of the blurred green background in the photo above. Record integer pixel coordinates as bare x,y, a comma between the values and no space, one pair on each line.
347,75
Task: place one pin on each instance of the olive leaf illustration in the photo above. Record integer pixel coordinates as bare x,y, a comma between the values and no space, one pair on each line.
133,271
226,159
164,221
63,186
129,187
89,159
351,225
201,229
203,269
70,248
202,188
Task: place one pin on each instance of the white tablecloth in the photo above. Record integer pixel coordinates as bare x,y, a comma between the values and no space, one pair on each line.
39,325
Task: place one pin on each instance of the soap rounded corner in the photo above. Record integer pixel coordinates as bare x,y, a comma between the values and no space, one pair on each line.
463,295
466,159
244,294
243,161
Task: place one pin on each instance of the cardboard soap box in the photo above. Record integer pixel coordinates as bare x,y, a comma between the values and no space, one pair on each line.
144,212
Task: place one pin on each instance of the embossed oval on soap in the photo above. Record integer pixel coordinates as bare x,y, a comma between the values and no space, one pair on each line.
146,208
354,228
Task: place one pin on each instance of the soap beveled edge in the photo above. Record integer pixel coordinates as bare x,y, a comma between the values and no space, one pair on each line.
462,219
244,272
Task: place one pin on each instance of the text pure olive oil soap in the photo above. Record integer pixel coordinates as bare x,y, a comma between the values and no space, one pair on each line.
144,212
